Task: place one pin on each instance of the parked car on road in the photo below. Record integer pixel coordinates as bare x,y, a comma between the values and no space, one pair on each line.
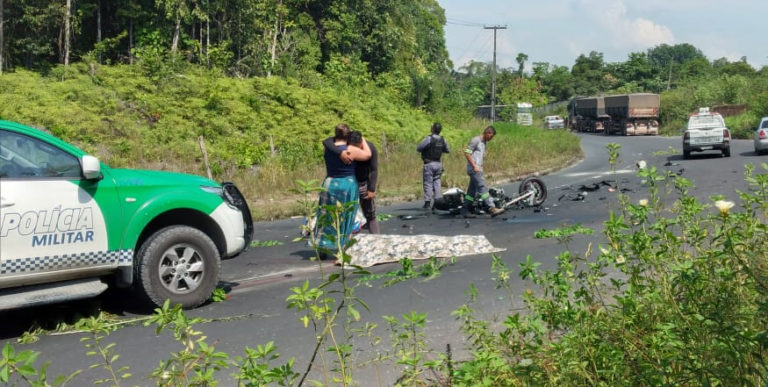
70,226
554,122
706,131
761,136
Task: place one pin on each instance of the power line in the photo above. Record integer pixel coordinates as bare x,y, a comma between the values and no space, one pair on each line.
479,51
471,45
460,22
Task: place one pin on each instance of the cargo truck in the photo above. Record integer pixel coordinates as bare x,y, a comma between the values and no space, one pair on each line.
588,114
632,114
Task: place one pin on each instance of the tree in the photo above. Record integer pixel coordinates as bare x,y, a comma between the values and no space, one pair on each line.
128,13
67,29
176,11
663,55
557,83
667,60
588,73
521,90
695,68
2,27
725,67
521,59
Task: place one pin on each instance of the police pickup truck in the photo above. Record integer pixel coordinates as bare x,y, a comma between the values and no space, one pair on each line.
706,131
70,226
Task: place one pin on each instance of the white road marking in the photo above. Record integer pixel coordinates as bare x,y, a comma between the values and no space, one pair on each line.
597,174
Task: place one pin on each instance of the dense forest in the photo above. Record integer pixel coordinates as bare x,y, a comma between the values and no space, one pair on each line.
397,45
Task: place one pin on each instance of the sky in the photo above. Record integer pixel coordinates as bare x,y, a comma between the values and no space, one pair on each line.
558,31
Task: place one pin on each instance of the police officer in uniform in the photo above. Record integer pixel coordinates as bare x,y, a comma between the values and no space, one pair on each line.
432,148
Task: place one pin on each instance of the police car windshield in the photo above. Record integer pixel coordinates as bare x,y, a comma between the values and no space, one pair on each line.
706,121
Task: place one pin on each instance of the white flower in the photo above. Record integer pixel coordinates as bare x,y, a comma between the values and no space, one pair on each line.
604,250
620,259
641,164
724,206
643,202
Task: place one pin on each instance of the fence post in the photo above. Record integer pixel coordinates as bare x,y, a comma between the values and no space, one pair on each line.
272,146
384,144
205,157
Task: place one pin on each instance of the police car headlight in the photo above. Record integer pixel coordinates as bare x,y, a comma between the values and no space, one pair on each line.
218,191
222,193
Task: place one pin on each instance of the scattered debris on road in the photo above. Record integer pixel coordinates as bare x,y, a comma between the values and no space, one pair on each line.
583,190
411,217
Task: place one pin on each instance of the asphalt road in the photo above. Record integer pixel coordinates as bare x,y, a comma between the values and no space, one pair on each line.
260,279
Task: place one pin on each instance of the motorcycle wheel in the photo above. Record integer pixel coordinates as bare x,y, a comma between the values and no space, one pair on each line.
534,184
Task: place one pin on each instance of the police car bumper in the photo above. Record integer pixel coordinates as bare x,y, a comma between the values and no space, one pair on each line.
230,219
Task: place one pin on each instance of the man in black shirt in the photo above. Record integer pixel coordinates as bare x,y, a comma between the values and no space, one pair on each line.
367,173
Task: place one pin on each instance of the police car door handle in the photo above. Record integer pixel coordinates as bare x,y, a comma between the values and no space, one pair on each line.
5,203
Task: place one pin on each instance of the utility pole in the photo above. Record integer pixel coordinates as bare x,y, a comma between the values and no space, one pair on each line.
493,76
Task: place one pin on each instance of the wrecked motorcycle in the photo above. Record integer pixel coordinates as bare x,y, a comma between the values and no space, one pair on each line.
532,192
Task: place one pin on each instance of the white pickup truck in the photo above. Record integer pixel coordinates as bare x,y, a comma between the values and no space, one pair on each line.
554,122
706,131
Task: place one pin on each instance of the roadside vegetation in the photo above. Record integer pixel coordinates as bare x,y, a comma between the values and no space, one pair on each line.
263,134
748,89
674,294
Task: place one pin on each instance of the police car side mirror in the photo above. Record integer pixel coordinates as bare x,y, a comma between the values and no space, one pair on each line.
91,167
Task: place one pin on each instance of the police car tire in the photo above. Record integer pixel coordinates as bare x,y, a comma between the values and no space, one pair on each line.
152,251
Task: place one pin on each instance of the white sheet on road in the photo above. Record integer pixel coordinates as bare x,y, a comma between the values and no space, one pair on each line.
373,249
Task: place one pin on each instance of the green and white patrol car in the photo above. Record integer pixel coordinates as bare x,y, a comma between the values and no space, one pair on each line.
69,226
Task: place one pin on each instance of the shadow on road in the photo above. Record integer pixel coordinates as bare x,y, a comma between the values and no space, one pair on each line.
697,156
749,154
113,304
58,317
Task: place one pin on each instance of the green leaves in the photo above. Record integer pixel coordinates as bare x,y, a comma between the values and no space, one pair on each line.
23,364
219,295
268,243
563,232
676,295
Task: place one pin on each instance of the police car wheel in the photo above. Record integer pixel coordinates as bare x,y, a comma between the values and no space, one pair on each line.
180,264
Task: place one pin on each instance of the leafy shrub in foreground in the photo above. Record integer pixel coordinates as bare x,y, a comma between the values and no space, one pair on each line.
676,296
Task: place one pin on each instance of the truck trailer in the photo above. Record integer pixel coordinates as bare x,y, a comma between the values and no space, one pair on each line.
587,114
632,114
